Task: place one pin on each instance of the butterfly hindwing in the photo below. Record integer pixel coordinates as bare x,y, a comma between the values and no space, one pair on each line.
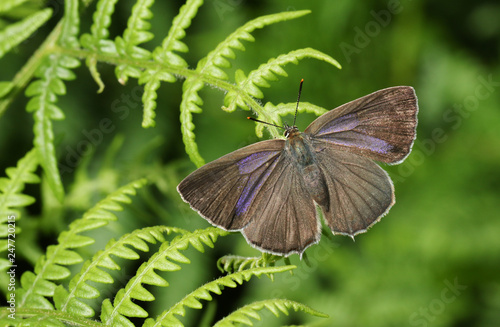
286,220
380,125
360,192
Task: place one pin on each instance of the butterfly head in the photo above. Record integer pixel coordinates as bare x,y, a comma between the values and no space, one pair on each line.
291,131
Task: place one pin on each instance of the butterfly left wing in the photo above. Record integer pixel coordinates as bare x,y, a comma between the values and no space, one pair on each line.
256,189
380,126
223,190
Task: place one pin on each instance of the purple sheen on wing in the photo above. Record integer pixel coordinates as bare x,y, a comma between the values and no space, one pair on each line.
340,124
359,140
252,187
254,161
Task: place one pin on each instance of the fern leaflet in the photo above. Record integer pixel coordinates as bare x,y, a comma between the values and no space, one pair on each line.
165,259
275,306
35,287
191,300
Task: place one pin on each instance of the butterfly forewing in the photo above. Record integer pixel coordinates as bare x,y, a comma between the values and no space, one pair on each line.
380,126
223,190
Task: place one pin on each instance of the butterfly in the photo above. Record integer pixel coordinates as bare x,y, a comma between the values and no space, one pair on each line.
273,191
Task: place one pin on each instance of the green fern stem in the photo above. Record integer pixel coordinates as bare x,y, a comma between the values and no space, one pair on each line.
64,317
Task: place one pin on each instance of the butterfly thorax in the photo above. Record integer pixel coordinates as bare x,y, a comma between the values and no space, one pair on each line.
300,150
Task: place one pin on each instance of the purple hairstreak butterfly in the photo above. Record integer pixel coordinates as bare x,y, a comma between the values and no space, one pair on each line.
273,191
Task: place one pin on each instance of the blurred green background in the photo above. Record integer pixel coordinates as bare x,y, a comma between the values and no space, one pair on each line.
434,260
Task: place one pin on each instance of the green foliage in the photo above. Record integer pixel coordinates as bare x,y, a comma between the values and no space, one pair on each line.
433,260
77,280
35,287
230,263
168,318
242,315
18,32
11,199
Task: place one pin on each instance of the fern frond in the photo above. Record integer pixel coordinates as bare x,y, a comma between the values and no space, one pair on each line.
35,287
12,198
68,300
166,259
16,33
243,314
275,112
7,5
44,92
97,41
249,87
5,88
137,32
216,60
168,318
166,56
231,263
210,70
11,187
70,25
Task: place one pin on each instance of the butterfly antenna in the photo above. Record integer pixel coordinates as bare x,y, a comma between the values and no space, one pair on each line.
298,99
263,122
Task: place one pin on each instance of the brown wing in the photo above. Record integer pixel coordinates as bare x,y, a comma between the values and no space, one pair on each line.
381,125
285,214
360,192
223,190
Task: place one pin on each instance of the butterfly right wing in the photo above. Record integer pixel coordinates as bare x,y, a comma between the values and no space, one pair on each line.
360,192
223,190
380,126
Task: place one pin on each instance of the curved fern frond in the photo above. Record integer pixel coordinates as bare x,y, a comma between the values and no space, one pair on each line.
11,187
12,198
16,33
70,25
231,263
166,259
168,318
68,300
166,56
7,5
172,43
210,70
44,92
275,306
137,32
35,287
97,41
249,87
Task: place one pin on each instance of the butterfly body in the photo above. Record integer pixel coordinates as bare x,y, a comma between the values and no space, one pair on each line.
299,148
270,190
